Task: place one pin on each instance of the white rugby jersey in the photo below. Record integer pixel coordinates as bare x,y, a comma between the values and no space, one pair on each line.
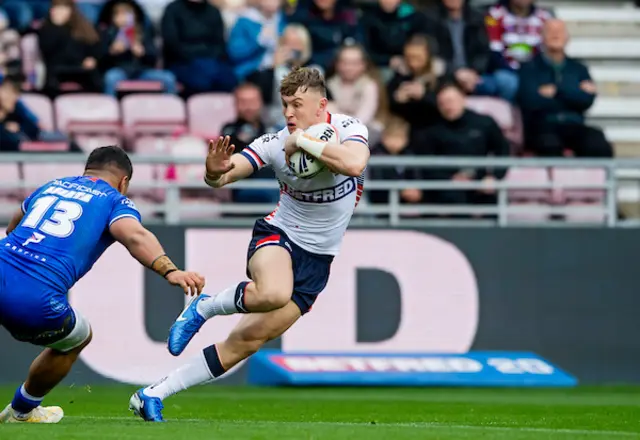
314,212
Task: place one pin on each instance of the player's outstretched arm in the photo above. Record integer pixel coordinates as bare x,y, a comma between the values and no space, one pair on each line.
349,158
144,246
224,167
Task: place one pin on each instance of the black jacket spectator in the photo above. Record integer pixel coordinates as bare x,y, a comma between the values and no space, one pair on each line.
471,135
385,33
475,52
462,132
419,113
70,48
131,64
329,23
556,122
195,46
17,122
192,30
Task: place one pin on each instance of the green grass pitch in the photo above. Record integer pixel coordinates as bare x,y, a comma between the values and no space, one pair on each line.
238,413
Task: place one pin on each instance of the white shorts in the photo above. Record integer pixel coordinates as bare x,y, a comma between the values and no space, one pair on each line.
79,335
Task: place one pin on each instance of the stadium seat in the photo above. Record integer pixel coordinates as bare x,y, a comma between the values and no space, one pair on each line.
137,86
529,197
153,115
9,197
37,174
44,147
506,116
91,119
208,112
580,197
41,106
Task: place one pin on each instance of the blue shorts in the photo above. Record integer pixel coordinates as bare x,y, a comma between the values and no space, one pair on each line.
32,311
310,271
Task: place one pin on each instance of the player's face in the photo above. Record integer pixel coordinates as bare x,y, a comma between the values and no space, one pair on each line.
304,109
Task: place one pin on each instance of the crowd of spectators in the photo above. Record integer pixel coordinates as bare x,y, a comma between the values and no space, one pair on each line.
404,69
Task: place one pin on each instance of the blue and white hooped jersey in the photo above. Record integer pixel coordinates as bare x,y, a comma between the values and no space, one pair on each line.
313,212
65,229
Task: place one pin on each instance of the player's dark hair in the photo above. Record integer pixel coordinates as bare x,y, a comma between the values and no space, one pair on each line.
110,156
303,79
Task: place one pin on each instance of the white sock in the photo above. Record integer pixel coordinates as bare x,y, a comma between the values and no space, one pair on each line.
194,372
224,303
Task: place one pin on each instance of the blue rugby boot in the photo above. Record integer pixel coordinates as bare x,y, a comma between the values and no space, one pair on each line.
186,326
149,408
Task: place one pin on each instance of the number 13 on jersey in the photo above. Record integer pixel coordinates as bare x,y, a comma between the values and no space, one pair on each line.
59,222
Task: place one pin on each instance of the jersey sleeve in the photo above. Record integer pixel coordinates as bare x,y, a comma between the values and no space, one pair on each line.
353,130
124,207
258,152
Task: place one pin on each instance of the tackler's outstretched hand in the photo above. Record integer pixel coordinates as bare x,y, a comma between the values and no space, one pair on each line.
191,282
219,157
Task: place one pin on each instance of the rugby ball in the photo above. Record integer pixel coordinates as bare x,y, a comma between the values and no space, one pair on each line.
304,165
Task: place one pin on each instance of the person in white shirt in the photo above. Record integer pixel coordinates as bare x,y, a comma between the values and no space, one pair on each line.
292,248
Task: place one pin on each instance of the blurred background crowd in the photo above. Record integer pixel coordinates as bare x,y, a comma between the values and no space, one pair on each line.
439,77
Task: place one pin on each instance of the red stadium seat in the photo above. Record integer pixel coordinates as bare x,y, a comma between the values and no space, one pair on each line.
10,174
37,174
135,86
153,115
580,197
42,107
209,112
92,119
506,116
530,197
44,147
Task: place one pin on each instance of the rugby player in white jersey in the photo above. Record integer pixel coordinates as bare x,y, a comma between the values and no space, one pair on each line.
292,248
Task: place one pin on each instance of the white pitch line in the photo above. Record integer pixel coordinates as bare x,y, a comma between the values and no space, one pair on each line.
388,425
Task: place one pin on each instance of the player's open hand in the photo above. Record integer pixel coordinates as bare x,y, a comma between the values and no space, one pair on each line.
191,282
219,157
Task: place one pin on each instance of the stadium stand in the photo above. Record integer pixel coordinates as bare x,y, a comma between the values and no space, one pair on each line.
604,35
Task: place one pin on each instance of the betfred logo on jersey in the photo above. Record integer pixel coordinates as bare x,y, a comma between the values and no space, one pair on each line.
325,195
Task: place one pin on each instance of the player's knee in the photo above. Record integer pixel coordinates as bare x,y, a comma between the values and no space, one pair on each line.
272,297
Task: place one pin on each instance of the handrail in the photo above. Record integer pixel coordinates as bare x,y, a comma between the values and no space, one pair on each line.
172,207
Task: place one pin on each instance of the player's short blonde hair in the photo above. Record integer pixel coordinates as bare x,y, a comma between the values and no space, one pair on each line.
303,79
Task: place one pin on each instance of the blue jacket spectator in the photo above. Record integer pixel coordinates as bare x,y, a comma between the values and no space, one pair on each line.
330,24
555,92
254,38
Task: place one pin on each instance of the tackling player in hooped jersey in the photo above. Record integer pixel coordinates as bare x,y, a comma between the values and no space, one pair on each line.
53,241
291,250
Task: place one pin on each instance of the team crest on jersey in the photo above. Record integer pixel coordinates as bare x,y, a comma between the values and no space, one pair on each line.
268,137
350,121
129,203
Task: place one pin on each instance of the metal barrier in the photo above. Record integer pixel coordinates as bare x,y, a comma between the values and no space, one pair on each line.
391,214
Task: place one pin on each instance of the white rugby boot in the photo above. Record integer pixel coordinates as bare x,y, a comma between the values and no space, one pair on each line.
41,414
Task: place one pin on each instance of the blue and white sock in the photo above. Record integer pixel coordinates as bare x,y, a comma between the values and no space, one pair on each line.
227,302
23,402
